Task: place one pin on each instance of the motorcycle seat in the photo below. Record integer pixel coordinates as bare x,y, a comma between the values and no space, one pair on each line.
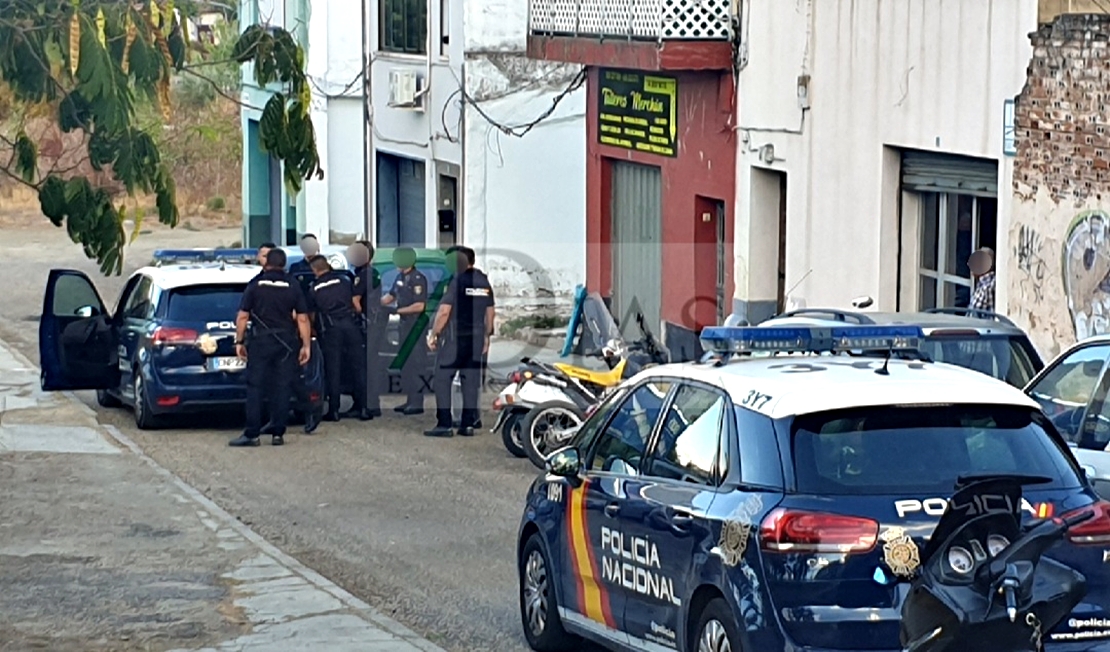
609,378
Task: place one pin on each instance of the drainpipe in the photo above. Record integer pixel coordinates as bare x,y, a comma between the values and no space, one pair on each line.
367,131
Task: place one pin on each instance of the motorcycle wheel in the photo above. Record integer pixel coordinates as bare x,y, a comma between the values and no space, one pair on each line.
510,434
538,424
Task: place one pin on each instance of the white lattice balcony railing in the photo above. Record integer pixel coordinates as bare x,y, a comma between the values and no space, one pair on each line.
632,19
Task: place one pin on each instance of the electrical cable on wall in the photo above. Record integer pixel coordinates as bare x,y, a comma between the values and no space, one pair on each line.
522,129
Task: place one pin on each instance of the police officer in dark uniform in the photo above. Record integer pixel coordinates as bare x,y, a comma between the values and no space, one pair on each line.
461,335
368,293
410,292
332,302
279,342
300,389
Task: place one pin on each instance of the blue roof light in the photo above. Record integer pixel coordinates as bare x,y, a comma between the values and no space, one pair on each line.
170,256
727,339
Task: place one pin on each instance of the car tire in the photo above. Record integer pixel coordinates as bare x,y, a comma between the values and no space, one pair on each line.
716,629
144,419
539,610
106,400
510,435
534,427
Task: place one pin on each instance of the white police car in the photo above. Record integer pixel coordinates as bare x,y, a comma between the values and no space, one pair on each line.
781,502
168,345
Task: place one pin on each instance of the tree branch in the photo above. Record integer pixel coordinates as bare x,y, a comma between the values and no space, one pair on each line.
220,91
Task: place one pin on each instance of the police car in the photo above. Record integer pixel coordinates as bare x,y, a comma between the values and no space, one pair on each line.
168,345
781,501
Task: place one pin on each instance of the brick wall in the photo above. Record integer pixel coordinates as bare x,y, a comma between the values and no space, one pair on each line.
1059,270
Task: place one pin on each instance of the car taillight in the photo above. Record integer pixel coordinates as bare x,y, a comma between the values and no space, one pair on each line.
169,335
787,530
1094,532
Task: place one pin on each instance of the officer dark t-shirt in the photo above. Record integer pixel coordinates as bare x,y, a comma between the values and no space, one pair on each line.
271,298
409,288
469,295
368,286
332,295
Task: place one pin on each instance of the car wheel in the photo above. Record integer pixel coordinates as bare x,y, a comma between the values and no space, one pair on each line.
539,432
106,400
143,417
716,629
510,434
539,612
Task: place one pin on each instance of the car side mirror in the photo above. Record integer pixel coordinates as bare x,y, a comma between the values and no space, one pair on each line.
564,463
84,312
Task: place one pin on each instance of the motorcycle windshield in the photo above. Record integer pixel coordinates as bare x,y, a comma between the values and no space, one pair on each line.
598,325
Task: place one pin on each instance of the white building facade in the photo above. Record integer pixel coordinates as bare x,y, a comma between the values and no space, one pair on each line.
876,128
447,152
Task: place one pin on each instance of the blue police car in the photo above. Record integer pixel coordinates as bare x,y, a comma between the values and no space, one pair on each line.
167,347
779,498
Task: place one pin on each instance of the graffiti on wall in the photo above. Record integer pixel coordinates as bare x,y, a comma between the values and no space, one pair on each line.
1087,273
1031,265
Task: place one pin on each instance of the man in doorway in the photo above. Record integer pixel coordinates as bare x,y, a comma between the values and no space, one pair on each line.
461,336
981,264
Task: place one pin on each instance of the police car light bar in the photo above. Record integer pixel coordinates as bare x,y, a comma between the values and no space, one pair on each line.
168,256
728,339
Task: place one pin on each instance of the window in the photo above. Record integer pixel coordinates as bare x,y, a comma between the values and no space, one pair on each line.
620,447
1066,389
1004,358
138,304
404,26
922,450
205,303
444,27
71,293
952,227
125,296
689,445
760,461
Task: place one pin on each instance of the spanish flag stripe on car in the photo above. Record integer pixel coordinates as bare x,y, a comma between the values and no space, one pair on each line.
592,598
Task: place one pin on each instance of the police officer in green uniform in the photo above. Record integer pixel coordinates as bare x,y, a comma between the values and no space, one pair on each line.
375,319
410,292
279,342
332,301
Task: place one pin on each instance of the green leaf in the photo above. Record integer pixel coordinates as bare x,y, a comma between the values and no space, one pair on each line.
25,157
52,199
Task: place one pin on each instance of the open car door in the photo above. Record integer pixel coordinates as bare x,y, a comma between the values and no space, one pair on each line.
77,339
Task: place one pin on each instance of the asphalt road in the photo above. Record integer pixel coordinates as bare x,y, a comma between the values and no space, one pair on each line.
423,529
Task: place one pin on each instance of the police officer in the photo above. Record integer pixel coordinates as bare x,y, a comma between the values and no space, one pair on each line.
279,343
368,292
461,336
410,292
300,389
332,302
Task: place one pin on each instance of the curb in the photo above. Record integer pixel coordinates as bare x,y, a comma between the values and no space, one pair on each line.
319,581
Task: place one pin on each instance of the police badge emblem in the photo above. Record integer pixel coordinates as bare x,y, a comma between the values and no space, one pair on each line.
418,290
900,552
207,344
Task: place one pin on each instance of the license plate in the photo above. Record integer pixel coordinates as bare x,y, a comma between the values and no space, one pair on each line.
227,364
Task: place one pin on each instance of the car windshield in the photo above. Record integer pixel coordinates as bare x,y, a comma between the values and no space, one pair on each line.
1003,358
204,303
922,449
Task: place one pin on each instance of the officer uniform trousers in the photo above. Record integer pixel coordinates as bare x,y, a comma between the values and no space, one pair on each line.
416,364
344,349
463,357
271,371
377,376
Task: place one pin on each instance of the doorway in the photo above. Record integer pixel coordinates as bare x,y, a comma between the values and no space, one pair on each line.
447,212
401,201
766,291
708,307
636,241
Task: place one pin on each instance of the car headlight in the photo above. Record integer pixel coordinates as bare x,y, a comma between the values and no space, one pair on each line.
338,261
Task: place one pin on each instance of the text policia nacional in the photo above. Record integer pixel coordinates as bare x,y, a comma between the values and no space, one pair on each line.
630,561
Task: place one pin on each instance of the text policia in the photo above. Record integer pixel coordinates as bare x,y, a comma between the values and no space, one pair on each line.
628,561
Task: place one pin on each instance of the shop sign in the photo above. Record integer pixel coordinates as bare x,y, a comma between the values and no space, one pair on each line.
638,111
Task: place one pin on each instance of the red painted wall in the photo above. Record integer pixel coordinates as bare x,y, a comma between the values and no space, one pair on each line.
705,167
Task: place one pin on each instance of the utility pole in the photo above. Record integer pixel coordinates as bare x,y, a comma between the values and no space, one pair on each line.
367,129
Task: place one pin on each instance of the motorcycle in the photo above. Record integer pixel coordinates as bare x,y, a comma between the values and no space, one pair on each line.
550,425
1004,598
516,400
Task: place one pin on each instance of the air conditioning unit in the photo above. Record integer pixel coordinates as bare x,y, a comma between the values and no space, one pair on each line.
405,89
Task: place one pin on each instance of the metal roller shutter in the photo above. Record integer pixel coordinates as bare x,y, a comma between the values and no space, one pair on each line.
637,245
964,175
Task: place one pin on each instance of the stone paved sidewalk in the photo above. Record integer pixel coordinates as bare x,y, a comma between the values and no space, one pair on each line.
102,549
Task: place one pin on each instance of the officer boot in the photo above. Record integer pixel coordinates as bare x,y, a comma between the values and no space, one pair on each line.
311,421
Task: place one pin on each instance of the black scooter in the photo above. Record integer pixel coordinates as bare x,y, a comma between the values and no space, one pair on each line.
984,583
